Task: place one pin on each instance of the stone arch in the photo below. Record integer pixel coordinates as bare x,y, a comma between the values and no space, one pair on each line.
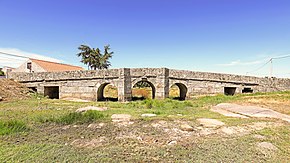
182,91
100,92
149,83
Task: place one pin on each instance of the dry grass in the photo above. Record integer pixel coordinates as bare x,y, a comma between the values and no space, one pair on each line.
11,90
111,91
278,102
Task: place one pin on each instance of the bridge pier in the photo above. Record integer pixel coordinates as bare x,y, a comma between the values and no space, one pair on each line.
124,85
162,87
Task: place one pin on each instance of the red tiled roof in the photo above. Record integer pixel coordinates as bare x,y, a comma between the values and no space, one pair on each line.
55,67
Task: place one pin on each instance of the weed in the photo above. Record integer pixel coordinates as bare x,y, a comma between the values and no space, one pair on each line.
87,117
148,103
12,126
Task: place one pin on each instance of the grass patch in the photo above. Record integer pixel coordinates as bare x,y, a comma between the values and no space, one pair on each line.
80,118
12,126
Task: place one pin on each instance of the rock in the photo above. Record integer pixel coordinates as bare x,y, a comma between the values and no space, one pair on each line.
186,127
1,98
207,122
226,113
121,117
172,142
66,127
95,126
266,147
250,111
91,108
228,130
259,136
148,115
206,131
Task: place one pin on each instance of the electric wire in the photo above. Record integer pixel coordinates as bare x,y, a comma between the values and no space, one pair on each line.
14,55
270,60
259,67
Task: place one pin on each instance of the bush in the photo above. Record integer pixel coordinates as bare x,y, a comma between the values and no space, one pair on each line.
87,117
12,126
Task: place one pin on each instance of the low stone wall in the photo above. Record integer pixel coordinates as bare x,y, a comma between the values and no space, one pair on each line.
206,76
66,75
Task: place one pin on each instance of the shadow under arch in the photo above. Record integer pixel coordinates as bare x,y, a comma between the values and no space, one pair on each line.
100,93
182,91
140,90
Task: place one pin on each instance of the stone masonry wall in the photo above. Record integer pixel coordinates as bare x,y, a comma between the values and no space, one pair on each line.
89,85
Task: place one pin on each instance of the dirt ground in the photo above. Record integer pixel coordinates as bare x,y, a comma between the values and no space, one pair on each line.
12,90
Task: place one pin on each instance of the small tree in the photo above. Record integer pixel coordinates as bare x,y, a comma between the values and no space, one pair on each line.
94,58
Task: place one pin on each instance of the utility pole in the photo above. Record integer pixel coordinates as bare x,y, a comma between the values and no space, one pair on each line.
271,67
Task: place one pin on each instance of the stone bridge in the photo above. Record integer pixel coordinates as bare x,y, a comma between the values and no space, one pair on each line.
90,84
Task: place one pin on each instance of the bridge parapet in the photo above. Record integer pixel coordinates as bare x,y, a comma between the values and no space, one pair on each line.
65,75
218,77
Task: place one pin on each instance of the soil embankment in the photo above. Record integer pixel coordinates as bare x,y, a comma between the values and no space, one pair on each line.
12,90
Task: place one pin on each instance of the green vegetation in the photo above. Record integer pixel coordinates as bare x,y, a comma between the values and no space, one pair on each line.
12,126
87,117
94,58
56,133
2,73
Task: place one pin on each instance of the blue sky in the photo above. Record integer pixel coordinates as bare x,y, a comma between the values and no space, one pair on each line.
228,36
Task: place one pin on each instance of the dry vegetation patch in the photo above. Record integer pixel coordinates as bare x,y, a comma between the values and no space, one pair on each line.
279,102
12,90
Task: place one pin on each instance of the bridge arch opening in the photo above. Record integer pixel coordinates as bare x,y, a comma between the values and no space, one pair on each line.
107,92
178,91
143,90
51,92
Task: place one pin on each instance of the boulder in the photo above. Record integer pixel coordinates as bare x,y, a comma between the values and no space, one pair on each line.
121,117
207,122
186,127
96,125
266,147
148,115
91,108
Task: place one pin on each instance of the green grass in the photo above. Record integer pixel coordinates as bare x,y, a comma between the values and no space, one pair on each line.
79,118
12,126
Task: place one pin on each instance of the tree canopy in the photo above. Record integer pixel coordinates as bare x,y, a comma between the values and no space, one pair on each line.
94,58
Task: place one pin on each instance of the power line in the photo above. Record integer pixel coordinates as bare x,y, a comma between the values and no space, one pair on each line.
14,55
281,57
11,58
259,67
270,61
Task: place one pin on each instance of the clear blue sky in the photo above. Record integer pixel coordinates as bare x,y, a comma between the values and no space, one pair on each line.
230,36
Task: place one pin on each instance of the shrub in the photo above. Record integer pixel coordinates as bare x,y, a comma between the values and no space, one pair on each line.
148,104
12,126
